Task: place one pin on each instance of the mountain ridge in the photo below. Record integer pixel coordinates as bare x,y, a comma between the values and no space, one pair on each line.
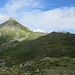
12,22
13,30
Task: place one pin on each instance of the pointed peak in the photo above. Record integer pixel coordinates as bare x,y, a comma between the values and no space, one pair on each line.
11,18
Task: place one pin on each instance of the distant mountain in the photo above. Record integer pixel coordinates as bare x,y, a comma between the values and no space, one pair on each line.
11,22
13,30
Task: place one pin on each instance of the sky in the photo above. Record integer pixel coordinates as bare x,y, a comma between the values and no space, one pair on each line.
41,15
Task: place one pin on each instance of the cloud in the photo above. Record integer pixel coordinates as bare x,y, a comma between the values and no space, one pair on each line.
3,18
12,7
60,19
15,5
39,30
28,13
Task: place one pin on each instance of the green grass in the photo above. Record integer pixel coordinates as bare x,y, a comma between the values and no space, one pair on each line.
44,66
52,45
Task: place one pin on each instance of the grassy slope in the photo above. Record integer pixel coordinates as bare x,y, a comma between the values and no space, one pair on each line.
52,45
56,44
45,66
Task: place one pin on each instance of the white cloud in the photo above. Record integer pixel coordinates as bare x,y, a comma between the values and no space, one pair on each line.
13,7
22,4
39,30
3,18
59,19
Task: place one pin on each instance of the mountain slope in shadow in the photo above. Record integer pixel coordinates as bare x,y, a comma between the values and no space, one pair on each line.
53,45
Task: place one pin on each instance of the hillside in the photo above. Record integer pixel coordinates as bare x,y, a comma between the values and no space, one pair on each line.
55,44
12,33
52,45
23,51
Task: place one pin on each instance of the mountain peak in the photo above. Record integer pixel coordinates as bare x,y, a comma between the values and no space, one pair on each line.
11,18
11,22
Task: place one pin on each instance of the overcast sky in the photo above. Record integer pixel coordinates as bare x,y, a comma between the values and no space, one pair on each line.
40,15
